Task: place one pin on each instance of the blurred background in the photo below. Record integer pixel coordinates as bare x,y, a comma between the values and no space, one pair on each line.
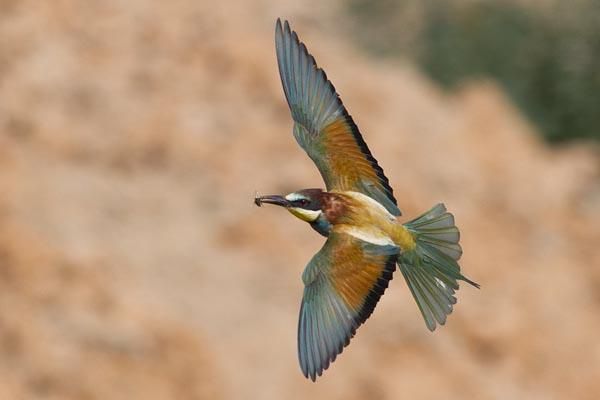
134,135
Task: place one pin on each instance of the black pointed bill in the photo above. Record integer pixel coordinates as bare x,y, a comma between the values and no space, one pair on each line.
272,199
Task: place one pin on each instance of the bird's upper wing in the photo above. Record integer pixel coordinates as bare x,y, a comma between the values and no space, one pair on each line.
343,283
323,127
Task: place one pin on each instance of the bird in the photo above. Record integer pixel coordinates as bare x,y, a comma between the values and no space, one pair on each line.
359,215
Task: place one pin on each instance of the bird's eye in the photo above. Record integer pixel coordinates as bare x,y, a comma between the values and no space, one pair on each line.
303,202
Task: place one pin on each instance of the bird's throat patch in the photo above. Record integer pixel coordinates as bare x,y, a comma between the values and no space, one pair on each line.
305,215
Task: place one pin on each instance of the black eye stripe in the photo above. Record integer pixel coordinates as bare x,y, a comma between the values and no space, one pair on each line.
301,202
306,204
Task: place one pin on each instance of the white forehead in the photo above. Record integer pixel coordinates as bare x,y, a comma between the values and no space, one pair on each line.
294,197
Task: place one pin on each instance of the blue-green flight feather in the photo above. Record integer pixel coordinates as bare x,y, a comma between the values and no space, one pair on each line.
323,127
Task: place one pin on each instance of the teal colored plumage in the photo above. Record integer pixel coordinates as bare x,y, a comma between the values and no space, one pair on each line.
431,270
327,320
319,115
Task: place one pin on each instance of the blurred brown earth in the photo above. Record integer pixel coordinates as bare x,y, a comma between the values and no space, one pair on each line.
133,264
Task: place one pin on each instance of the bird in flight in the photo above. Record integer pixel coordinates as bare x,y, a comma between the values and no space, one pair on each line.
359,216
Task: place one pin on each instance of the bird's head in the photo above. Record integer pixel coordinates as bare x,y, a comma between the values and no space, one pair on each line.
305,204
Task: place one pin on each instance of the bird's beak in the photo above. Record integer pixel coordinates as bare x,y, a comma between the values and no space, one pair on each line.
272,199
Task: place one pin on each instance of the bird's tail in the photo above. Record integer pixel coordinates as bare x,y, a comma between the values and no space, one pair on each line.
431,269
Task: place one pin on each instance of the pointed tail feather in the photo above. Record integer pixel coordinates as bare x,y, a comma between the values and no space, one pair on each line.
431,269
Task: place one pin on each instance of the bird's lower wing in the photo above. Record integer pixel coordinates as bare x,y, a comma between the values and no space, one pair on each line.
343,283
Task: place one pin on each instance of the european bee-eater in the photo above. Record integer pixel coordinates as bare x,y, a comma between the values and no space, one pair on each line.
359,216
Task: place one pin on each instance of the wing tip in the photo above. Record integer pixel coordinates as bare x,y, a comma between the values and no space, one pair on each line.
281,22
282,30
